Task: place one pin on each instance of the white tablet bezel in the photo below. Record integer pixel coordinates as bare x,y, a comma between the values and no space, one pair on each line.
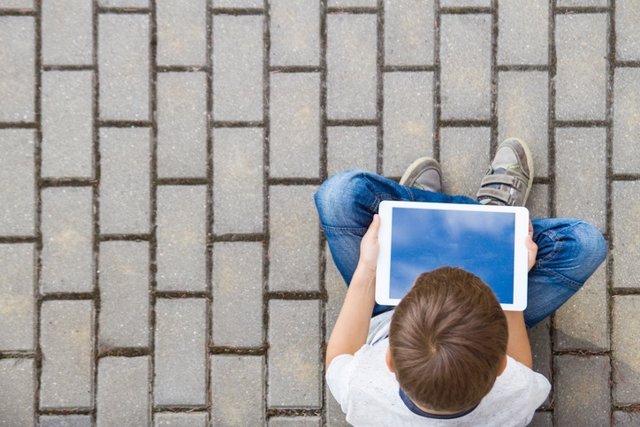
520,250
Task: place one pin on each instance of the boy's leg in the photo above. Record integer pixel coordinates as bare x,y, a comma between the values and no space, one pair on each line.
569,251
346,204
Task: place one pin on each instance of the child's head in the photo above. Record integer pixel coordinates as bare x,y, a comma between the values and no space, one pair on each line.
448,339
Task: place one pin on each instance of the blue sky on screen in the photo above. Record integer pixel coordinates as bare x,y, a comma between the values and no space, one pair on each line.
479,242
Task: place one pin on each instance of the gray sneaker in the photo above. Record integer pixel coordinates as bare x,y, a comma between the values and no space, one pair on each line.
424,174
510,176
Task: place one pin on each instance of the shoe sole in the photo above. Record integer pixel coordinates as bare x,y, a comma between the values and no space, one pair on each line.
413,166
529,156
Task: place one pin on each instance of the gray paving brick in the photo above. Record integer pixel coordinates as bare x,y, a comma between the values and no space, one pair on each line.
67,242
538,203
17,401
123,66
17,74
465,58
585,3
408,32
17,306
540,338
192,419
582,323
123,395
17,186
625,419
465,3
180,352
336,291
237,67
295,32
582,391
65,421
583,155
16,4
625,349
351,66
124,3
542,419
67,352
238,3
124,180
523,36
67,32
237,294
182,125
295,422
464,159
182,32
408,120
581,78
352,3
181,234
236,383
295,118
237,180
294,354
626,120
627,30
67,124
523,112
293,246
124,294
626,234
351,148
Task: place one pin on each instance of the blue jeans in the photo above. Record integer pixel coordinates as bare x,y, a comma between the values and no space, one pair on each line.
569,250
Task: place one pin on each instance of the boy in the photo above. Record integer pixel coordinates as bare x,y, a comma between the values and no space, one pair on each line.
447,355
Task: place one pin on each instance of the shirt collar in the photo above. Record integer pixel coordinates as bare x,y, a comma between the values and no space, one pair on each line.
414,408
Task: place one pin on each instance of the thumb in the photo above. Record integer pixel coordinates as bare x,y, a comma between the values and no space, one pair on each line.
376,221
375,224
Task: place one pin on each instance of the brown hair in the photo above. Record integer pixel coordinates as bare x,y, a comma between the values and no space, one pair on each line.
447,338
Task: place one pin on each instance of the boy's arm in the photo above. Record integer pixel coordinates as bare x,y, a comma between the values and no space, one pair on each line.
351,328
518,346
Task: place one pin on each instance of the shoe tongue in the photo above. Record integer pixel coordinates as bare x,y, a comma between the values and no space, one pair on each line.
500,171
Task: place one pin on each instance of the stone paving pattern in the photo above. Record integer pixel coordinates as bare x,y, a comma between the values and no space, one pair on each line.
162,262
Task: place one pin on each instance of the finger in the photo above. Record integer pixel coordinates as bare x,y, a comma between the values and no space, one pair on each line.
530,228
531,246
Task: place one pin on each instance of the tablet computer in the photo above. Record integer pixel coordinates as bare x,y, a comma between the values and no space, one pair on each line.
488,241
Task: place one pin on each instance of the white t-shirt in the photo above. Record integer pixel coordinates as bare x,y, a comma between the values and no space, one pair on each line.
369,393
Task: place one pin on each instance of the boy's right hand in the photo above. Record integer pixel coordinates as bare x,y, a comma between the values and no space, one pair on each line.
532,248
369,245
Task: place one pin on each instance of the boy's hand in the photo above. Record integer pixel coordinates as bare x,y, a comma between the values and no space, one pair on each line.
369,245
532,248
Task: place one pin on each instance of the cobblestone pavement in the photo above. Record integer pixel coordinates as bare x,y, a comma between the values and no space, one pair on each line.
161,261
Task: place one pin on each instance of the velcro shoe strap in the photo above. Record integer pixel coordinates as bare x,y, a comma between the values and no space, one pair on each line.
504,179
501,195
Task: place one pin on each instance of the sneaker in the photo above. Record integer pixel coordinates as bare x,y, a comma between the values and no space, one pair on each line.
424,174
510,176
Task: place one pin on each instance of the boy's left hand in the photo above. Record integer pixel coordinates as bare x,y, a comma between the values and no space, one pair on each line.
369,245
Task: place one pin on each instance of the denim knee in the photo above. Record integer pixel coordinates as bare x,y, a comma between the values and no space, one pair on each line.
338,196
585,247
591,243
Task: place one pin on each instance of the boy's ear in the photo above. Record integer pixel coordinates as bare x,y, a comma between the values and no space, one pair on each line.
389,359
503,365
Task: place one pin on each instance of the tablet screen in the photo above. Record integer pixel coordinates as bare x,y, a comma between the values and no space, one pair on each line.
479,242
